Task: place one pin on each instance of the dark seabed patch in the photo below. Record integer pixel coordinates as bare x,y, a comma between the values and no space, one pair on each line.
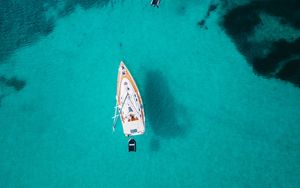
212,7
13,82
243,22
290,72
281,54
168,119
25,22
7,85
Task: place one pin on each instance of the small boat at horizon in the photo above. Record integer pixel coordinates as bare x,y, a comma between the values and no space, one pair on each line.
155,3
129,104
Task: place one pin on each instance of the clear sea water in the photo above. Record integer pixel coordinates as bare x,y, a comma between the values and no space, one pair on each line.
211,121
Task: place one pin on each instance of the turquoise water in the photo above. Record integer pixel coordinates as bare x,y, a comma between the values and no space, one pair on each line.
211,121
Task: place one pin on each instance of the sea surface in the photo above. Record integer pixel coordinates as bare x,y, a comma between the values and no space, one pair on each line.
220,82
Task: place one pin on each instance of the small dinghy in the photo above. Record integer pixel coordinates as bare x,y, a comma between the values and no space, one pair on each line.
155,3
129,105
131,145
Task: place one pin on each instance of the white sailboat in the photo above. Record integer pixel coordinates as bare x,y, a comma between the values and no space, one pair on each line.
129,105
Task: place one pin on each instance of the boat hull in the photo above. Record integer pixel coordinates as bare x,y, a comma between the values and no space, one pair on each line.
129,103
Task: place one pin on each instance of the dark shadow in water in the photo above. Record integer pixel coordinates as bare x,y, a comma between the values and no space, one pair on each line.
7,83
168,119
160,106
154,144
25,22
241,23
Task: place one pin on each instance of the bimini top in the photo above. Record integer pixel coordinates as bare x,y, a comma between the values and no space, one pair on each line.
129,103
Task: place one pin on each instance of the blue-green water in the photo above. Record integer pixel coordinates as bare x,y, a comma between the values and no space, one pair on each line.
211,121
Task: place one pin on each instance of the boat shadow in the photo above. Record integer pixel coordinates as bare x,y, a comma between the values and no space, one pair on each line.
166,117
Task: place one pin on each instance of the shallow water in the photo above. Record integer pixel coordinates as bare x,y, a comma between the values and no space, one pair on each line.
211,120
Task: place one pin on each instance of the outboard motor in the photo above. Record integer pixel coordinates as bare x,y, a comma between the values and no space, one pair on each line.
131,145
155,3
